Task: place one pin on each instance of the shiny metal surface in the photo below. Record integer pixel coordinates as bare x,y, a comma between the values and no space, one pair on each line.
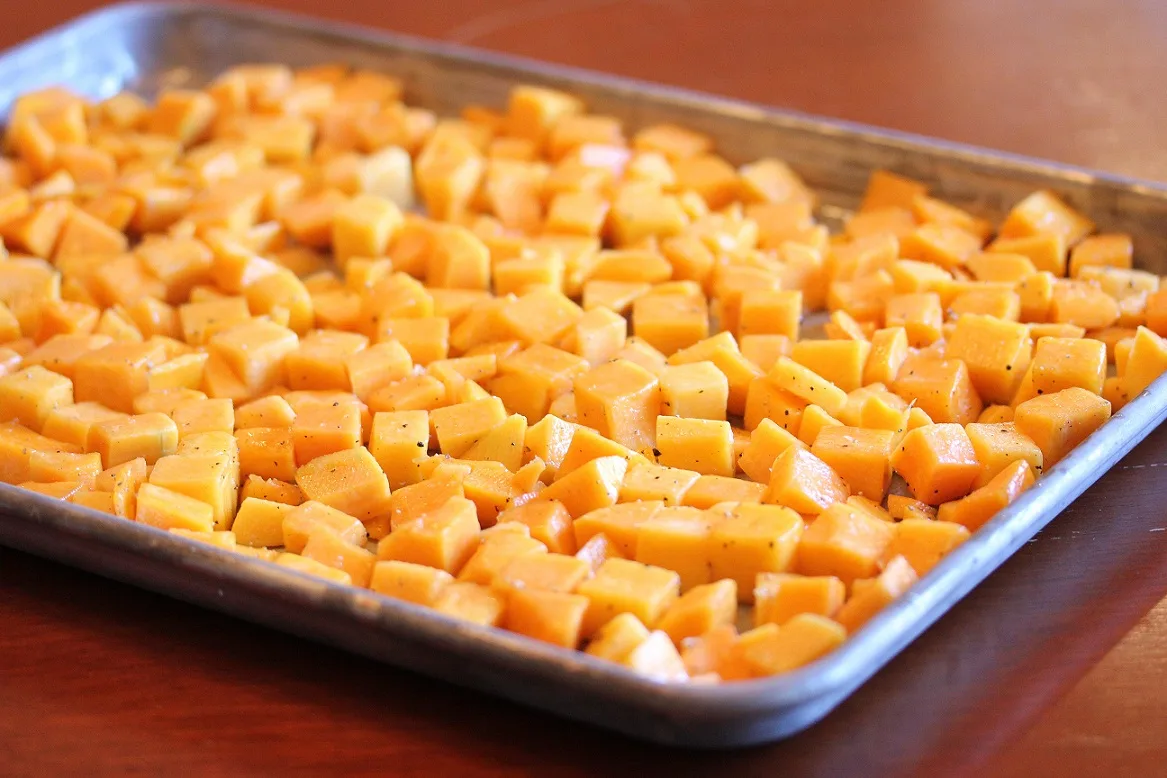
146,46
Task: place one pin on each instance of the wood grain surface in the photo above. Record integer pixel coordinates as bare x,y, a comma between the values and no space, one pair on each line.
1055,666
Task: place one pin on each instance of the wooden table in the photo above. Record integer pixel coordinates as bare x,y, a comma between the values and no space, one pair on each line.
1056,666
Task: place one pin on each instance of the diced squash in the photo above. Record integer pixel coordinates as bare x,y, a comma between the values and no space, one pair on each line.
938,462
779,597
1058,422
844,542
876,594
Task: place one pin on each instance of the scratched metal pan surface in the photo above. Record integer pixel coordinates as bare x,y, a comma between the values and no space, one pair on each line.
148,46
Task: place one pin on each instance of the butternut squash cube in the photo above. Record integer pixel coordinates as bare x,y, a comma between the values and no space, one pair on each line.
753,539
122,482
59,466
30,395
618,523
845,542
886,189
779,597
445,537
410,582
270,411
871,596
498,548
938,463
260,523
1044,212
211,478
426,339
182,114
621,400
982,504
772,650
458,427
1146,362
700,610
624,586
697,390
700,445
1059,363
999,445
1110,250
350,481
997,353
309,517
267,452
149,435
325,427
924,542
545,572
670,322
645,481
709,490
677,538
272,489
1058,422
416,500
396,441
803,482
363,227
942,388
813,421
165,509
327,548
471,602
255,352
311,567
115,374
862,457
195,416
553,617
319,361
919,314
766,442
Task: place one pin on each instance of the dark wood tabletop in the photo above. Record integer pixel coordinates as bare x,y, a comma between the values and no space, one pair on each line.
1055,666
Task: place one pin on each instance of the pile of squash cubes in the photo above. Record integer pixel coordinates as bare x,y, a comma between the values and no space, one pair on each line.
571,400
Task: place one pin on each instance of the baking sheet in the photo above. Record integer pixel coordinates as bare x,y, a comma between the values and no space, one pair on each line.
148,46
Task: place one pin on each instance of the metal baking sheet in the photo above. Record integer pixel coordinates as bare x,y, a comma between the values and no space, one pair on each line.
147,46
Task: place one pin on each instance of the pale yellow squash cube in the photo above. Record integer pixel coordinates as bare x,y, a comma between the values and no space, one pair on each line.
165,509
754,539
701,445
419,584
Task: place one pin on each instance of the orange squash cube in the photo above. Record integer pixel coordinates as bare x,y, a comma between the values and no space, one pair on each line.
772,650
845,542
699,610
327,548
802,481
621,400
862,457
498,548
997,353
974,510
445,537
30,395
938,462
1058,422
752,540
624,586
350,481
677,538
411,582
1044,212
869,597
779,597
942,388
